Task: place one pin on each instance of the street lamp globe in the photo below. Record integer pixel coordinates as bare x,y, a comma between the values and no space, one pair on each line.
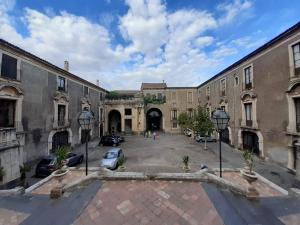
220,119
86,119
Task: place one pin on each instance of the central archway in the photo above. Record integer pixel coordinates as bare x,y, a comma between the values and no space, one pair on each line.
154,119
114,122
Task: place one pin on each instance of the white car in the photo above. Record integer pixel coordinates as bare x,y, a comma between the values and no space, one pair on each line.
112,158
188,132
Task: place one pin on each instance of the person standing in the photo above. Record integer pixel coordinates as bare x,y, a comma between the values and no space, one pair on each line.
154,135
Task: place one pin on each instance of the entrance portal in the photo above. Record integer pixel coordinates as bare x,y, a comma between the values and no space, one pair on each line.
225,136
154,119
60,139
114,122
250,141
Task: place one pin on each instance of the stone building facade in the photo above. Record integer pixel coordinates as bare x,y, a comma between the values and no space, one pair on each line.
261,94
39,106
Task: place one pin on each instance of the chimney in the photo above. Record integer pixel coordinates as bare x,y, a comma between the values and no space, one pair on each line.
98,83
66,66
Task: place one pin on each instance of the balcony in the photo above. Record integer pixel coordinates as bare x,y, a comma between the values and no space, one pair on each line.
248,86
58,124
249,123
8,137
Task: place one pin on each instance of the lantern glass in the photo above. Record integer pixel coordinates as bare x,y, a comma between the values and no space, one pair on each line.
85,120
220,119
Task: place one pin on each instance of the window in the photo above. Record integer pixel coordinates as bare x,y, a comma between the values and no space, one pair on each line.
223,87
190,112
297,106
61,114
101,115
9,67
101,96
7,113
207,92
85,91
61,83
223,108
174,114
296,56
174,124
159,96
174,96
190,97
248,77
236,81
128,112
248,114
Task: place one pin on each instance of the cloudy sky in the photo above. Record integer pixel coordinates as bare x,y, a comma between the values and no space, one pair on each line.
125,42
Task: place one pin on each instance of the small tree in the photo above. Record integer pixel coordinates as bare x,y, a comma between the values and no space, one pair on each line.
61,155
202,124
185,121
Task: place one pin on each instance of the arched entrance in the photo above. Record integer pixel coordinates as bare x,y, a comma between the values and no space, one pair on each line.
114,122
154,119
60,139
225,136
250,141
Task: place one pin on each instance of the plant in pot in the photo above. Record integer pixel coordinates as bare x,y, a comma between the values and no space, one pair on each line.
23,170
2,173
185,161
121,164
61,157
249,175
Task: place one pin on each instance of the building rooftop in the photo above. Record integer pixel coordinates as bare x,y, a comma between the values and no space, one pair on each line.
149,86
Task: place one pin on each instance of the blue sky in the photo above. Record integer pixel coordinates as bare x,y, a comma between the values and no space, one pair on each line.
125,42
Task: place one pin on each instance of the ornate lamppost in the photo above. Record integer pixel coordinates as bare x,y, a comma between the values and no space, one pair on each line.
220,119
85,120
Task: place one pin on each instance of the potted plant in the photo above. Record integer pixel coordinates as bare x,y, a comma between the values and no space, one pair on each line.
186,160
248,172
61,157
23,170
2,173
121,164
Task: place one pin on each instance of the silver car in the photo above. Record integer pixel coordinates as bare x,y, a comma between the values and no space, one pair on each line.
111,158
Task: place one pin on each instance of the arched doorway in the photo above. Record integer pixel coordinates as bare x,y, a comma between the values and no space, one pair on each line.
60,139
154,119
225,136
250,141
114,121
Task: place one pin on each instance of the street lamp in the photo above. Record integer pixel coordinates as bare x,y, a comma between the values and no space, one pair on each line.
85,121
220,120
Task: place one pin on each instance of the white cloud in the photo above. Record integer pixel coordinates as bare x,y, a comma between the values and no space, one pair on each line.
162,45
249,42
233,9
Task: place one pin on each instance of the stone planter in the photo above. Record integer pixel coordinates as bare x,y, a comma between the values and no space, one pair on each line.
186,169
250,177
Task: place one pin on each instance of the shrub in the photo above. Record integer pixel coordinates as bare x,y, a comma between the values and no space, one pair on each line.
61,155
185,160
248,158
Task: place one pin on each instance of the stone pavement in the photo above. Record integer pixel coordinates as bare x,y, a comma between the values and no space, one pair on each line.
150,202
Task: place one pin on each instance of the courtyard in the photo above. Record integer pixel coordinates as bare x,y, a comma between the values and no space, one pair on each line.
164,154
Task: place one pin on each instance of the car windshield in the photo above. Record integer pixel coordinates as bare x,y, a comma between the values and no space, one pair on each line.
110,155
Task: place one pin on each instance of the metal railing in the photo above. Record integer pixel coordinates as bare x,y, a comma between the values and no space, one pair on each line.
7,136
61,123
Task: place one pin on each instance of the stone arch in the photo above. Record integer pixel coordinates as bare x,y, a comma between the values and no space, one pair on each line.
114,121
10,89
260,140
53,132
154,119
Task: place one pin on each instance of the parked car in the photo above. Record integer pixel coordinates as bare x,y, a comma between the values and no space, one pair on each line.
109,141
46,166
208,139
120,138
188,132
112,157
74,159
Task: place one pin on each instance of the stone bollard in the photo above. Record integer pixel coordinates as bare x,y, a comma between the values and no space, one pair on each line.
56,192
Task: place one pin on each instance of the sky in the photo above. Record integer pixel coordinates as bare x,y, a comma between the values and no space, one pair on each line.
123,43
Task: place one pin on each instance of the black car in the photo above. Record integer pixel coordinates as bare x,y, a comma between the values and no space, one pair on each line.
74,159
109,141
119,138
46,166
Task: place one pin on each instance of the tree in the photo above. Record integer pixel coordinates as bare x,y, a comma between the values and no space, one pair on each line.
184,120
202,124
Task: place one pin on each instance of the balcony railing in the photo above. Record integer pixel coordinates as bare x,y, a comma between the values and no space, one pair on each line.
249,123
248,86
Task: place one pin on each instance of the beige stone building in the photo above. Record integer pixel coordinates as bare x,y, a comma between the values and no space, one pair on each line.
261,92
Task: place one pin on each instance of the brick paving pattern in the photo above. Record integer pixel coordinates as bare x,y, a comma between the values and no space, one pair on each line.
264,189
10,217
150,202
